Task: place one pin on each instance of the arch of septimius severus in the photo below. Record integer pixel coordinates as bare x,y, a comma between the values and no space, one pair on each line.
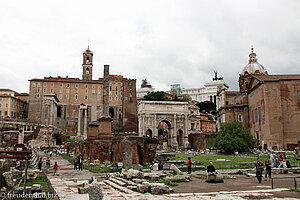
173,114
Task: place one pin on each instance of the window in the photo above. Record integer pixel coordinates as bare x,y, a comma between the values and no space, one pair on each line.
45,84
60,84
52,84
0,112
76,85
110,98
76,91
68,91
68,85
240,118
259,113
5,112
61,91
99,86
38,95
52,91
86,85
253,116
116,98
67,96
44,90
76,96
38,90
256,116
116,90
39,84
94,86
99,97
298,96
86,91
229,118
109,88
85,97
6,105
0,105
93,91
60,96
33,84
99,91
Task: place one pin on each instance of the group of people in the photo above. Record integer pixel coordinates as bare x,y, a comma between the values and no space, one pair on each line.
279,160
259,168
78,163
55,166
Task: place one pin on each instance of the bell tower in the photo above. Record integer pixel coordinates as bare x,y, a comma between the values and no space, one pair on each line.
87,65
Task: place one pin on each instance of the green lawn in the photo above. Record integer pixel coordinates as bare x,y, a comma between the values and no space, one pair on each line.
233,163
39,180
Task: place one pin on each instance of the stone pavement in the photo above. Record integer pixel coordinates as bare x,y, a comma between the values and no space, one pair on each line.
65,185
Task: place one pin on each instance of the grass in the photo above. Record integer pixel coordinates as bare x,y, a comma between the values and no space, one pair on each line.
95,169
233,163
166,182
41,180
70,140
70,134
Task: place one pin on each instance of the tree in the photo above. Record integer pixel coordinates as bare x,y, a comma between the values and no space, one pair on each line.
234,136
206,106
155,96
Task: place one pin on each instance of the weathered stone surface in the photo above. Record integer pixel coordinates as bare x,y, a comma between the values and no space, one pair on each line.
174,168
155,167
8,177
132,173
94,192
141,188
36,186
159,188
177,178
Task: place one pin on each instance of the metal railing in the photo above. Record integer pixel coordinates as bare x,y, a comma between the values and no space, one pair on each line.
294,178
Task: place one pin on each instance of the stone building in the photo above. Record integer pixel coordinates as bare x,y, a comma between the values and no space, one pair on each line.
172,122
71,93
13,105
267,104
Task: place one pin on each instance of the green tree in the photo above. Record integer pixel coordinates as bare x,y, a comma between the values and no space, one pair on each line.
233,136
206,106
155,96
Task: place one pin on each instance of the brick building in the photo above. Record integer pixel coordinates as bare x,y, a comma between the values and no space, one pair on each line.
12,104
72,92
267,104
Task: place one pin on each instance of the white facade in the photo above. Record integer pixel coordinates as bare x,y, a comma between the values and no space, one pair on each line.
141,92
206,93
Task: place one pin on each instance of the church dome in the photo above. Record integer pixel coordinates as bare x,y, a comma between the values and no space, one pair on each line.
253,67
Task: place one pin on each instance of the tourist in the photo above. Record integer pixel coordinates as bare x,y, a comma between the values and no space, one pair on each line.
160,166
55,167
50,153
79,161
268,169
18,165
259,168
75,164
189,165
236,153
280,161
40,163
48,164
211,171
276,160
151,166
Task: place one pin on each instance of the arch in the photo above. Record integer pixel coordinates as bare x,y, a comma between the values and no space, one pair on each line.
149,133
164,132
180,138
140,154
58,111
111,112
87,70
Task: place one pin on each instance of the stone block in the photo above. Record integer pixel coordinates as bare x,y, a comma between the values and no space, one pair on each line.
174,168
159,188
141,188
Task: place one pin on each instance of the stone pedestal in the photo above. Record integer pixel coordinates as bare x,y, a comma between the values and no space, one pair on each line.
105,126
93,129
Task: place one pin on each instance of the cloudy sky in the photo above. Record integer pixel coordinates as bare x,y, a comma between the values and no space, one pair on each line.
165,41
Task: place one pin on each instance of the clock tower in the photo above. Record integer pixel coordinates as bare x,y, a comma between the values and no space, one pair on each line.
87,65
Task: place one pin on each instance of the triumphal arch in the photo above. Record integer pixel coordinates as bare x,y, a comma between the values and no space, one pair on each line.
165,120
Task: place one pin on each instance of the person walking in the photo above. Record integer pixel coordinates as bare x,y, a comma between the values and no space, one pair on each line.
259,168
268,169
189,165
272,159
80,162
75,164
40,163
55,167
48,164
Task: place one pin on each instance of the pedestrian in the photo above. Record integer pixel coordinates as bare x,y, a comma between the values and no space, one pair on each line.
236,153
50,153
268,169
48,164
272,159
189,165
276,160
40,163
80,162
259,168
55,167
75,164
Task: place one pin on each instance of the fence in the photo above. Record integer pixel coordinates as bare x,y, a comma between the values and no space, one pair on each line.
281,178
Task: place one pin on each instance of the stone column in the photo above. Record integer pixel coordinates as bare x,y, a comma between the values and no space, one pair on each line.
21,136
94,107
105,111
79,122
85,123
174,142
186,137
143,121
155,133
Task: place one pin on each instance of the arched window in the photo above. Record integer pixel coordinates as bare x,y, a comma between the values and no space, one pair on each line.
111,112
87,71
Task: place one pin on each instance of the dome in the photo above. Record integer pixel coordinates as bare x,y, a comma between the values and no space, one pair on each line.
253,67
